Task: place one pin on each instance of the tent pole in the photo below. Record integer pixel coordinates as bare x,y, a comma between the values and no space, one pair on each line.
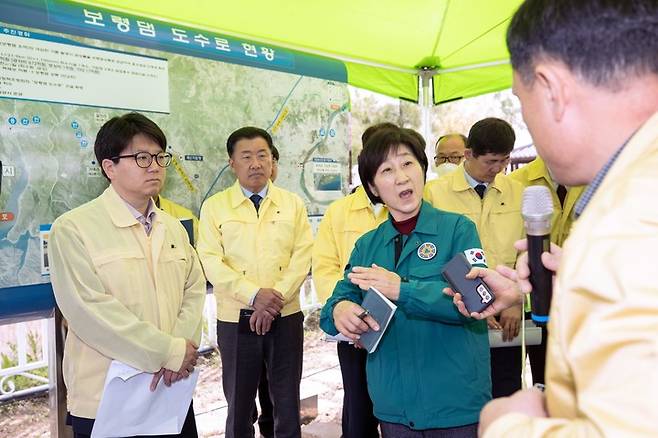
425,76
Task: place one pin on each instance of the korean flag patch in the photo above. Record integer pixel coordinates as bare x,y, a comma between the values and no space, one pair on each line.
475,256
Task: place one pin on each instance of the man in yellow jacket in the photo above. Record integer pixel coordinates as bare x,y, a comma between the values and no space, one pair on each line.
179,212
125,276
564,198
255,245
479,190
344,221
594,120
448,153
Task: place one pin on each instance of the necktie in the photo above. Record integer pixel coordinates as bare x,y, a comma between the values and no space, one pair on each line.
256,198
480,189
561,194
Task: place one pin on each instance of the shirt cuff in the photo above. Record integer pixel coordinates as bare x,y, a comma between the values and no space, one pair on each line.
253,298
176,354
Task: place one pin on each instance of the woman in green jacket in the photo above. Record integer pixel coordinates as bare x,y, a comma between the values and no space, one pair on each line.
430,373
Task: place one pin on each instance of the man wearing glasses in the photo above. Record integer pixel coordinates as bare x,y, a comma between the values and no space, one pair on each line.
125,276
449,153
479,190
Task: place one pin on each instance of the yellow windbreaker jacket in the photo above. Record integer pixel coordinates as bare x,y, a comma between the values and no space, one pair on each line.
180,212
602,364
115,306
242,251
536,173
497,216
343,223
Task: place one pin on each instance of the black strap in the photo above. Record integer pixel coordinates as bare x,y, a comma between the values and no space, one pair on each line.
256,198
399,243
480,189
561,194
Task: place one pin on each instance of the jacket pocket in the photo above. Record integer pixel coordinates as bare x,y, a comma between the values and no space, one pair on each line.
123,274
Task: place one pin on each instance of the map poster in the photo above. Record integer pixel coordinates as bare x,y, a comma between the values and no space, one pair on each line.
326,174
47,148
36,66
44,231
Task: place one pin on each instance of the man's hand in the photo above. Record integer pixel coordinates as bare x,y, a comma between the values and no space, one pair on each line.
261,322
167,376
551,261
269,300
189,361
493,324
531,402
348,321
385,281
510,321
503,283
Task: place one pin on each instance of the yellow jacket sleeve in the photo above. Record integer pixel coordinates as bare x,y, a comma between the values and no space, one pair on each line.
98,318
300,260
212,255
327,269
523,426
601,372
190,318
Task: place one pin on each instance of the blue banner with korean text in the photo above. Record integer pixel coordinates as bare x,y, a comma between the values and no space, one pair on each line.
104,24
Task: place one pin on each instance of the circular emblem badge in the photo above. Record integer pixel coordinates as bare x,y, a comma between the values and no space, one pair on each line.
427,251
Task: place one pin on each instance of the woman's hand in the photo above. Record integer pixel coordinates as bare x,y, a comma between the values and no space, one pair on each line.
385,281
503,283
352,320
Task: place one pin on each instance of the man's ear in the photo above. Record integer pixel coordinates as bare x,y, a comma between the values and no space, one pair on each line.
554,82
109,168
468,154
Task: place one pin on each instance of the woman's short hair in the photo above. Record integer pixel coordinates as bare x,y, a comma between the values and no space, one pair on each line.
376,150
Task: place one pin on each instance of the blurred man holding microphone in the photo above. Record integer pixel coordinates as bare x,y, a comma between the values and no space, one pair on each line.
593,115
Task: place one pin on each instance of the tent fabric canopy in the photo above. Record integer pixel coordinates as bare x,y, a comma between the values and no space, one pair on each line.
383,43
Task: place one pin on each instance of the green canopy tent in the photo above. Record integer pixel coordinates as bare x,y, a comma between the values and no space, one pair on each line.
456,46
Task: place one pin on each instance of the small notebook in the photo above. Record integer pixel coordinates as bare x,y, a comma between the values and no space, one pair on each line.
382,310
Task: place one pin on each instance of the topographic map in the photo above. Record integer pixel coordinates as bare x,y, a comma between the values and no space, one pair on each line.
49,166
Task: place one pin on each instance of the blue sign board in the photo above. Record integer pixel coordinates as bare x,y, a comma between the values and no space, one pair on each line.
109,25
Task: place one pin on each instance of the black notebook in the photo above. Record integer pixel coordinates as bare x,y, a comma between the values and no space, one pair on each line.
382,310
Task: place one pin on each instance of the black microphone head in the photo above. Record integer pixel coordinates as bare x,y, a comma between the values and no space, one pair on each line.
537,210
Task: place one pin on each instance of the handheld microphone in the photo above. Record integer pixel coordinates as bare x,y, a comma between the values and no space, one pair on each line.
537,212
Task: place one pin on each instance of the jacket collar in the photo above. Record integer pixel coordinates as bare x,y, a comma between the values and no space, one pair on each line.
424,225
537,171
118,210
459,183
237,197
360,199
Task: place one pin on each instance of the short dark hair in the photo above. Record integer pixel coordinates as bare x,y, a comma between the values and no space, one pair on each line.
491,135
275,152
116,134
416,134
462,136
247,132
601,40
370,130
376,150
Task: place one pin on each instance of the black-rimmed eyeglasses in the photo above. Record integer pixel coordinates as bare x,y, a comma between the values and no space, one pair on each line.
144,159
454,159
